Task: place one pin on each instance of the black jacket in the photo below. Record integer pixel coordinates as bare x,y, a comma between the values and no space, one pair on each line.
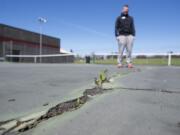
124,25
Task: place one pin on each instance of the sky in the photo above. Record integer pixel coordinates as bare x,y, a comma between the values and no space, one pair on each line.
87,26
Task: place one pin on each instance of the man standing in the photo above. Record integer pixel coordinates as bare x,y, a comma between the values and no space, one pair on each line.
125,33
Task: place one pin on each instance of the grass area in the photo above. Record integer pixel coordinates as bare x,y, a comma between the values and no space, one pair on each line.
142,61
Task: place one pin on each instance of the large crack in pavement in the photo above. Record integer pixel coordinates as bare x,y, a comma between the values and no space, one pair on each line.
16,126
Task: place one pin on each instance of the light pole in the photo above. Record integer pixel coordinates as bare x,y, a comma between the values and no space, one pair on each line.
41,21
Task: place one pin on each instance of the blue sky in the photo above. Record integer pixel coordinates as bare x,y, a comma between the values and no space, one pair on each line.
87,26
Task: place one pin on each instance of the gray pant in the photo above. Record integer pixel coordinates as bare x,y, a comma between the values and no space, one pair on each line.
125,42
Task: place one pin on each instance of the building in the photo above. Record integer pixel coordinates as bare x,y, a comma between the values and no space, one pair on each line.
20,42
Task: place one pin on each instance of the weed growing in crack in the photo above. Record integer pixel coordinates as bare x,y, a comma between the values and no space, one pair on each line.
102,78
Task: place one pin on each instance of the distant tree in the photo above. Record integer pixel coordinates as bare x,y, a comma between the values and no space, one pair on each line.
141,56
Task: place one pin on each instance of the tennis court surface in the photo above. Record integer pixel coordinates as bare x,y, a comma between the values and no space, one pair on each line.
145,100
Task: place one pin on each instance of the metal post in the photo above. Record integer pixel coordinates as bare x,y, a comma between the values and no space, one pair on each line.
169,59
11,50
93,57
4,49
40,49
35,59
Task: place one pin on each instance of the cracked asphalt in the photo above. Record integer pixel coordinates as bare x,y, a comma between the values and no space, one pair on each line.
25,88
118,112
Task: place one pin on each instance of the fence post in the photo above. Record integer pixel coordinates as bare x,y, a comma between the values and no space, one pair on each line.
35,59
169,58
